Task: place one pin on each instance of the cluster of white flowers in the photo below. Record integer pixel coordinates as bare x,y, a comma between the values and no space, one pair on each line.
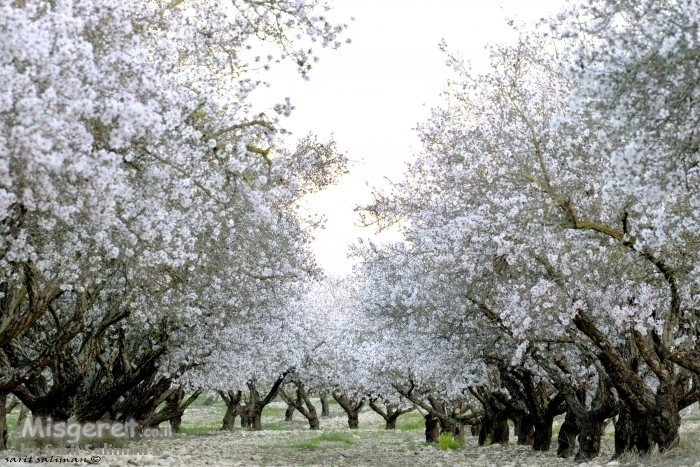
139,192
551,215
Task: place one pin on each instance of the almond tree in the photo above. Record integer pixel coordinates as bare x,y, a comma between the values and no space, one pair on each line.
131,161
509,201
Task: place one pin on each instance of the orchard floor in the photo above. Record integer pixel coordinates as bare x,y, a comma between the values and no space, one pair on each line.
292,444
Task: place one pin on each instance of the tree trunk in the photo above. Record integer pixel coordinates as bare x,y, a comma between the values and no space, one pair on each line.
639,431
303,404
174,409
246,416
3,421
566,441
525,429
391,414
592,429
256,404
233,408
255,417
494,425
542,440
432,428
476,429
289,413
229,420
351,408
175,423
325,408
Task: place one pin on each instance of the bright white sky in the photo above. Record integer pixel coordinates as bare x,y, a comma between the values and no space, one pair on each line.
372,92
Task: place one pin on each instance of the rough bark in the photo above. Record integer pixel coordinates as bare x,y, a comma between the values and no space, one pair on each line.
233,408
390,414
3,421
303,405
647,417
289,412
432,428
434,409
570,429
175,406
325,408
475,429
525,429
593,421
351,407
494,423
256,404
542,440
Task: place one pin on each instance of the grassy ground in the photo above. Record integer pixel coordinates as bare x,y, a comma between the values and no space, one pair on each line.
292,443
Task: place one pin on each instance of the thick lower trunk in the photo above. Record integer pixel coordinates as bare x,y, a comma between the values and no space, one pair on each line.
501,431
305,407
233,408
390,423
566,441
255,421
229,419
351,407
325,408
245,418
641,432
542,439
3,421
525,429
289,413
174,408
432,429
592,429
175,423
494,428
476,429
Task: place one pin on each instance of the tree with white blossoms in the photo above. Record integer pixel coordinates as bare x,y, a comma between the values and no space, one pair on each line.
634,66
417,351
130,162
510,195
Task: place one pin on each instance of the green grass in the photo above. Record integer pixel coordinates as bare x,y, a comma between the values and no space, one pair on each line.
331,436
410,421
12,427
270,411
199,428
277,426
447,441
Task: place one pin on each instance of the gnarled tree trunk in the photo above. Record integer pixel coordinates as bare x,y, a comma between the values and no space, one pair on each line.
3,421
525,429
351,407
233,408
432,428
391,413
255,405
325,408
303,404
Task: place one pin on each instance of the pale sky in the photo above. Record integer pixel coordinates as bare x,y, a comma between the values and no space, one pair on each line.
372,92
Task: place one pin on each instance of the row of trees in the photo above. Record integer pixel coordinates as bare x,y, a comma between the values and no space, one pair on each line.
551,234
144,206
150,239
